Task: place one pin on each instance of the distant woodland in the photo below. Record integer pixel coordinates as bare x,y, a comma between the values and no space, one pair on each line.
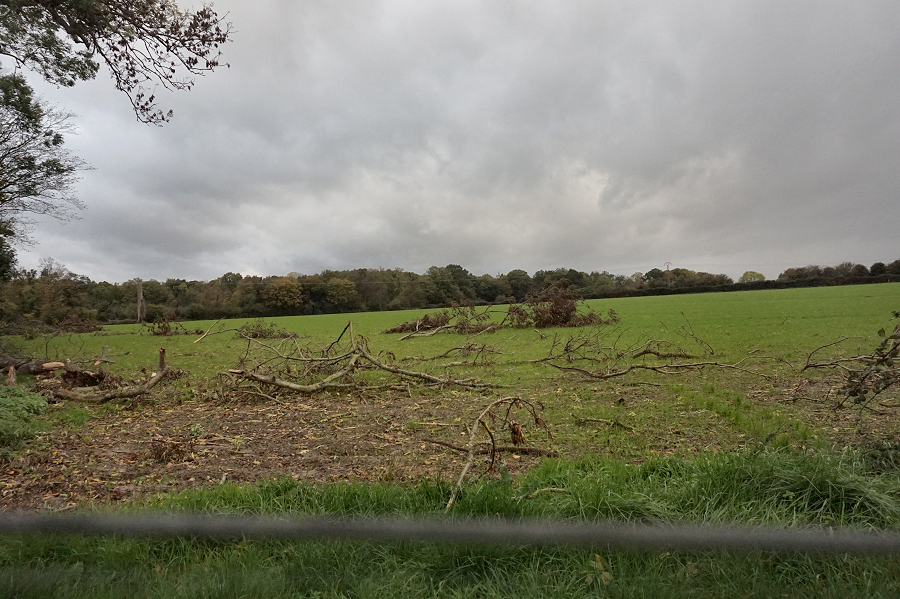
57,297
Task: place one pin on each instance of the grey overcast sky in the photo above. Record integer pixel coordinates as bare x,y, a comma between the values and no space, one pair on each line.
720,136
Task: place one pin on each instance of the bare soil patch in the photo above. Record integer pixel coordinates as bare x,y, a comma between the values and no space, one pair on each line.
129,453
139,450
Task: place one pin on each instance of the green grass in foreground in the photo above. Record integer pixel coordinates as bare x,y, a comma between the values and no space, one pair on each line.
776,488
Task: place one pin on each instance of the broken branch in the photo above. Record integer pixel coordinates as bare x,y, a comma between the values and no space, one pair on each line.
661,369
199,339
123,393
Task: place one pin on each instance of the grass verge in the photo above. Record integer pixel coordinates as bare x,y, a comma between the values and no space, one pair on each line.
775,488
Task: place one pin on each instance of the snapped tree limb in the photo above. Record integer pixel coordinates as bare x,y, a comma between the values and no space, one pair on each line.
478,424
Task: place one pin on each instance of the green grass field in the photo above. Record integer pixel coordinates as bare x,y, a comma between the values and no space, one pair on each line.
716,445
786,323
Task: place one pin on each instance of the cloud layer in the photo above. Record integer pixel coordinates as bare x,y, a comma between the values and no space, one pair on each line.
718,136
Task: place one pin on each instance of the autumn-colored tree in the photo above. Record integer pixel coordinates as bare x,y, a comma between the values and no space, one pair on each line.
61,293
283,295
341,293
248,296
751,276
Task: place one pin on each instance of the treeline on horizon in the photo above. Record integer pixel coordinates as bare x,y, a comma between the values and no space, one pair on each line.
54,295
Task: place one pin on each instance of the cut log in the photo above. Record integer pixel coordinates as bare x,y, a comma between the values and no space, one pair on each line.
38,367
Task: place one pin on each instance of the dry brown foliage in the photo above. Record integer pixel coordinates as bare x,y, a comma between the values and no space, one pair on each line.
555,306
463,319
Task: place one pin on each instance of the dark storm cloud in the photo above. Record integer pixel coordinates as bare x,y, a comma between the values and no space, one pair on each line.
721,136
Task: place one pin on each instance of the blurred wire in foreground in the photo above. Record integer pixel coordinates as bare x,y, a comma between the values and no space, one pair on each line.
522,532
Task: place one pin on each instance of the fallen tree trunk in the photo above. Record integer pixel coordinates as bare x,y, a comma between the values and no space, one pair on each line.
28,366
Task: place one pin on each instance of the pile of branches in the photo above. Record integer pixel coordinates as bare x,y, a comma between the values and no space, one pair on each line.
463,319
167,328
258,329
263,329
346,363
473,354
556,306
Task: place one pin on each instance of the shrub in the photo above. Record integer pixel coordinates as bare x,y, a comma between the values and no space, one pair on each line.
18,408
262,329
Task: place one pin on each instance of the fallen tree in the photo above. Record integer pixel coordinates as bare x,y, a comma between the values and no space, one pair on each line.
665,368
288,365
599,348
77,377
28,365
462,319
